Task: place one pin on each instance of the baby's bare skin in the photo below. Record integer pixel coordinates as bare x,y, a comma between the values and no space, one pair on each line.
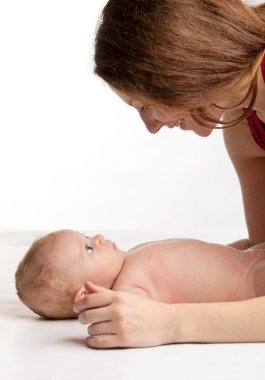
171,271
186,270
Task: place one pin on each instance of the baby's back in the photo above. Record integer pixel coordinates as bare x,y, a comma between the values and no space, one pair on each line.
185,270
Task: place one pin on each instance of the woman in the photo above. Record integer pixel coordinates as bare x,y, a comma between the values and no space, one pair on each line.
197,65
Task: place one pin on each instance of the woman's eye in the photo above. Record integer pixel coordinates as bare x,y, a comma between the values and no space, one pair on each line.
89,249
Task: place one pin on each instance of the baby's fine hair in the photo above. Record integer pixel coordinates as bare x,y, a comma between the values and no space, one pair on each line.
39,284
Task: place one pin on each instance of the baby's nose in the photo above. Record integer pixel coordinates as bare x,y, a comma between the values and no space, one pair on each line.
99,239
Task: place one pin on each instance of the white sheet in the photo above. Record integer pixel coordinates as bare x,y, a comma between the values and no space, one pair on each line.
35,349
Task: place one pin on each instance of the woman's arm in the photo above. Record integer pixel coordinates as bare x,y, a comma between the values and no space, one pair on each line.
249,162
120,319
241,321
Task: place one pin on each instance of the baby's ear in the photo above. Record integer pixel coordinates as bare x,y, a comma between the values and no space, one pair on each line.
80,294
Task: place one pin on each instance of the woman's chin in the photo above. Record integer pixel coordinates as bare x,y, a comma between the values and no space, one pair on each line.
197,129
203,133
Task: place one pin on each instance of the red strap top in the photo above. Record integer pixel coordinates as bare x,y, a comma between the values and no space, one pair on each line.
257,126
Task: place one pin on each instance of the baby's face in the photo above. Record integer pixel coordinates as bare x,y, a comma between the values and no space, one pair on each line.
92,259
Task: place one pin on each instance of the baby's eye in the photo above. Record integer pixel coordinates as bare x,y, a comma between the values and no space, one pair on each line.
89,249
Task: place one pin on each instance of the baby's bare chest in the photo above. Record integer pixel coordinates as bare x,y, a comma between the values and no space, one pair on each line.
187,275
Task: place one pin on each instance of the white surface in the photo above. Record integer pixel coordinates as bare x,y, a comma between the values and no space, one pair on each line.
34,349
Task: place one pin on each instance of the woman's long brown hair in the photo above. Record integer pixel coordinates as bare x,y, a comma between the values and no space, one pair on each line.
185,54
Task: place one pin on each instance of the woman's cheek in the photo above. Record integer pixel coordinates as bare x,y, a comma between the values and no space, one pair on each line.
164,116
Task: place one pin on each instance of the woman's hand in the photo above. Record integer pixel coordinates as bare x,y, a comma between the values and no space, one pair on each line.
121,319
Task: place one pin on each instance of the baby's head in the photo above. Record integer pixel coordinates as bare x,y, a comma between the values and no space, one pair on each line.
51,276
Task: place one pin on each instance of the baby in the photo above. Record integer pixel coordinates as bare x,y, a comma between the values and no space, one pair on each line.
51,276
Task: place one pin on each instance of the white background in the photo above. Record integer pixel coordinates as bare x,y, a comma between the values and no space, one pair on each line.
73,155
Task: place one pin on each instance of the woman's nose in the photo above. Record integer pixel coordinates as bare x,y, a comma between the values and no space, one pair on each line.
151,124
99,239
153,127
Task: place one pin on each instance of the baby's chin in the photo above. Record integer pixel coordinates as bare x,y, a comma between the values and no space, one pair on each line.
120,251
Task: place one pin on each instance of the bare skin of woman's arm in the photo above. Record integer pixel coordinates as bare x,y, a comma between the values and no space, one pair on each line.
241,321
120,319
249,162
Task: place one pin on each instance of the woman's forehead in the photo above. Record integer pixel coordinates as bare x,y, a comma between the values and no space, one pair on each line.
138,99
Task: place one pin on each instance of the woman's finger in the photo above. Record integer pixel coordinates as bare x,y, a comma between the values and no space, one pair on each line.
101,314
104,341
126,320
102,328
92,301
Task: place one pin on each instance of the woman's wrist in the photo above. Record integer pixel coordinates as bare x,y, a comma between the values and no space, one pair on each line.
241,321
196,323
179,320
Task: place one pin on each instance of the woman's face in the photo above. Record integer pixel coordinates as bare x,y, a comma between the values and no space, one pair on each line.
156,117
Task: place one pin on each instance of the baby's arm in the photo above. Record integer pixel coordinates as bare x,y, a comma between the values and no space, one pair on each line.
244,244
240,244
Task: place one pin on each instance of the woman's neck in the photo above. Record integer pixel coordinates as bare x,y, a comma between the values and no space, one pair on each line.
259,104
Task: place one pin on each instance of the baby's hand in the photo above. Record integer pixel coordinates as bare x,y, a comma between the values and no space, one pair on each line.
119,319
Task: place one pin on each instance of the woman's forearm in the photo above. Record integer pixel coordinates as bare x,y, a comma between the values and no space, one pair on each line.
241,321
120,319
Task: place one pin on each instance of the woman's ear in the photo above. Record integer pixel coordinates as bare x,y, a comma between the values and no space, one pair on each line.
80,294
